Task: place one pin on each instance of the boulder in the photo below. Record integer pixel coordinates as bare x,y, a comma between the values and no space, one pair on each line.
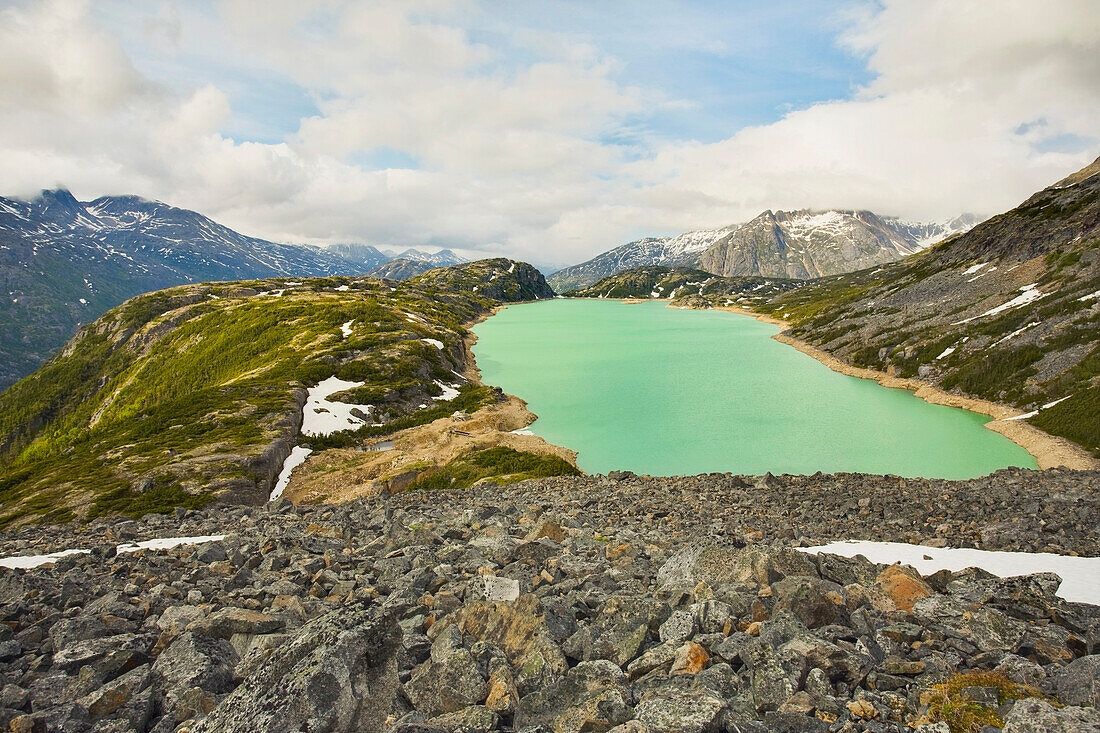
719,564
671,710
1078,683
593,696
338,674
1035,716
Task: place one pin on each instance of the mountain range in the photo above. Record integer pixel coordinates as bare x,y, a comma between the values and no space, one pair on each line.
799,244
64,262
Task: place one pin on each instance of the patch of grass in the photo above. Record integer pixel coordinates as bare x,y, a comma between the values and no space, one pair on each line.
161,499
498,462
947,703
1077,418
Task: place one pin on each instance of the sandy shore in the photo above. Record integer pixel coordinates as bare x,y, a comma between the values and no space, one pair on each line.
1049,451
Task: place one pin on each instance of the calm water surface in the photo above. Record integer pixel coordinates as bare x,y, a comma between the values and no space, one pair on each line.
663,391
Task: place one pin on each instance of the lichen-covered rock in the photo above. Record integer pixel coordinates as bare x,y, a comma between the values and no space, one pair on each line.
1078,683
593,696
694,710
1036,716
338,674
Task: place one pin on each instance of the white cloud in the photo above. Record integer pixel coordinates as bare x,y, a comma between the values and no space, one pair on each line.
971,108
936,132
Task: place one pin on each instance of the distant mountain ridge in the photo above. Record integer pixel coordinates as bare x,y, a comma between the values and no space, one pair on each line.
800,244
64,262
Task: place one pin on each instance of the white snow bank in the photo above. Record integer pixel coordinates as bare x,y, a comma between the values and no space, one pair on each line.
342,289
1033,413
1028,293
33,561
971,270
345,328
1080,575
946,352
296,458
1090,296
322,417
449,392
434,342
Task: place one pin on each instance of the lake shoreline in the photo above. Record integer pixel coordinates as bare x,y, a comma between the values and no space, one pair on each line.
1048,450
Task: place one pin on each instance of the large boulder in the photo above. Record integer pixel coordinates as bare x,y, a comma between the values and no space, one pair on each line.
1035,716
338,674
1078,683
591,698
719,564
671,710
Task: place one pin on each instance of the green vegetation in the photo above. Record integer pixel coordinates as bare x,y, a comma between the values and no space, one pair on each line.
172,398
686,283
1077,418
950,704
494,463
1001,376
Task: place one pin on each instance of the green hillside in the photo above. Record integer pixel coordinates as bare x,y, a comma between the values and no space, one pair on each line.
194,394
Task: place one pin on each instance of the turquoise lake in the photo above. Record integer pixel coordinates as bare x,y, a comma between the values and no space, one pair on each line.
662,391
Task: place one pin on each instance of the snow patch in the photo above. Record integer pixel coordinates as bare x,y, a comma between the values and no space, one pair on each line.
971,270
449,391
1090,296
323,417
1017,332
345,328
33,561
1080,575
946,352
296,458
434,342
342,289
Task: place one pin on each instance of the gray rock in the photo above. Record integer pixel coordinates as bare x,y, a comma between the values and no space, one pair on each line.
592,696
448,682
1078,683
1035,716
694,710
192,660
338,674
680,626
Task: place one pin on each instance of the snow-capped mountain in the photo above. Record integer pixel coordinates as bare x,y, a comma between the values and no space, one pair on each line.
681,250
798,244
363,255
64,262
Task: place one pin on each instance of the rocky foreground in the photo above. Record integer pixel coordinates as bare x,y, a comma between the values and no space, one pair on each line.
617,603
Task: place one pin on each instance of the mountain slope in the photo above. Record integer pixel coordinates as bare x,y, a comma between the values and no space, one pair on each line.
800,244
413,262
806,244
664,251
63,263
686,287
194,394
1009,311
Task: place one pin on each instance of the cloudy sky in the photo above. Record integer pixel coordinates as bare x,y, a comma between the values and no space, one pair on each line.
548,130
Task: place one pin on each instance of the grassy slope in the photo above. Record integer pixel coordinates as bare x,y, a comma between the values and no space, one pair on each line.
173,398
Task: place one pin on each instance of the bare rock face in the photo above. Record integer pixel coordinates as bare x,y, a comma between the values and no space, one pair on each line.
338,674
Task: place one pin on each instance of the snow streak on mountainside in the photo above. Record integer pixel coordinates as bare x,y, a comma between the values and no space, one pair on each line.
800,244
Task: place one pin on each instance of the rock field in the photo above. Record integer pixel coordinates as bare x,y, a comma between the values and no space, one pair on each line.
605,603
